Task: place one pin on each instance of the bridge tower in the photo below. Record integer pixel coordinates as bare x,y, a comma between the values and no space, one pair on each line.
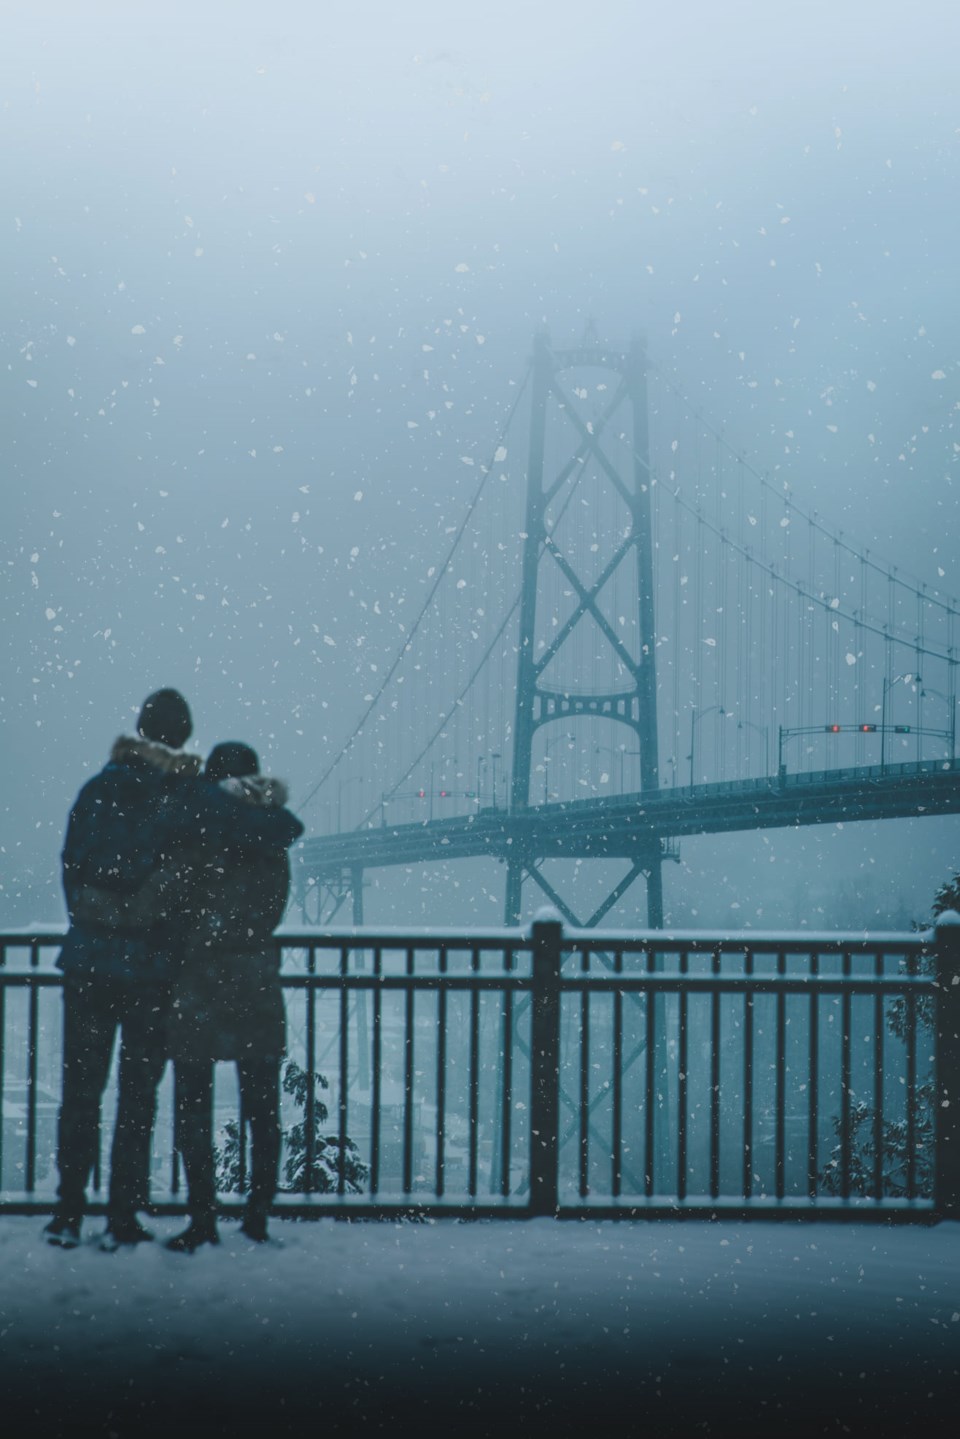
632,702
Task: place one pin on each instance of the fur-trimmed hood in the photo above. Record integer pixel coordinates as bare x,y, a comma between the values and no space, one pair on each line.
257,789
159,756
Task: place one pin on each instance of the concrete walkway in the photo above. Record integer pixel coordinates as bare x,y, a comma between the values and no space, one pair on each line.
487,1328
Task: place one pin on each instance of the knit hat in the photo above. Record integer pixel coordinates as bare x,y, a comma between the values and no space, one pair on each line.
231,760
166,718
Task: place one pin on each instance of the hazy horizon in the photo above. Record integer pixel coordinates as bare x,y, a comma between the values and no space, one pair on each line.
271,276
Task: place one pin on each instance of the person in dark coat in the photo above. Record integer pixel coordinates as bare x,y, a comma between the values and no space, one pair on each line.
120,869
228,1003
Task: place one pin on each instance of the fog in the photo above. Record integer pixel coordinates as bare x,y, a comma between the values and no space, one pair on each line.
272,274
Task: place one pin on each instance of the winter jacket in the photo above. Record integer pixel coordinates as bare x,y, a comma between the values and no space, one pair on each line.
227,999
127,830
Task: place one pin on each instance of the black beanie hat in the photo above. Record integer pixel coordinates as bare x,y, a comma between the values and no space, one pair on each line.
231,760
166,718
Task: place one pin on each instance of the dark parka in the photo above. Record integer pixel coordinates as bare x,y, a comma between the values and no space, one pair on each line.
227,999
123,856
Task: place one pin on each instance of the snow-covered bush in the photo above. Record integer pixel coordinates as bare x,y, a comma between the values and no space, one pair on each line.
329,1159
894,1132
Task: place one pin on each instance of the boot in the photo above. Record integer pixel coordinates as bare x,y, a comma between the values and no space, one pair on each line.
63,1230
254,1224
123,1231
201,1230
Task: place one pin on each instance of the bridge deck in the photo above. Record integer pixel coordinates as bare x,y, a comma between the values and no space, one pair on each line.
630,826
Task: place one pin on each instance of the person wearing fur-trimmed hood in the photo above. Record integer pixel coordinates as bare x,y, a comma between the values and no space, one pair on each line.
228,1002
126,830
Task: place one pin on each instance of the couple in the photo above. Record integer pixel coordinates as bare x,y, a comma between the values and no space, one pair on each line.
174,882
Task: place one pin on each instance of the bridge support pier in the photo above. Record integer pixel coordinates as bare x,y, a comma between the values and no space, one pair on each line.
356,893
320,900
513,898
651,867
655,893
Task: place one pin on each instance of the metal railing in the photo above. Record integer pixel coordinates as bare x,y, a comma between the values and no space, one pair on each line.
572,1073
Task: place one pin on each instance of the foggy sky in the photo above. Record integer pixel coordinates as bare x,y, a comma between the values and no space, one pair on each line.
226,238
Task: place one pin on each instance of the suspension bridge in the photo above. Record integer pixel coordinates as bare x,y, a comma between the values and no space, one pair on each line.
642,637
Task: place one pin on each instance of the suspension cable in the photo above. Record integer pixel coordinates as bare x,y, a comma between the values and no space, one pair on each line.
771,570
938,598
445,720
408,641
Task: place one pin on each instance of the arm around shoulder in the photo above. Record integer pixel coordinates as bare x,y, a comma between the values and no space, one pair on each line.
221,817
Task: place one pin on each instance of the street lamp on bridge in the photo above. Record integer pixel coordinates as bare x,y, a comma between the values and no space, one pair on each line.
695,717
551,744
621,753
908,677
951,704
496,757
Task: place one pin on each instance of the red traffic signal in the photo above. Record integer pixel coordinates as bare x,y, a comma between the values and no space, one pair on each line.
868,729
832,728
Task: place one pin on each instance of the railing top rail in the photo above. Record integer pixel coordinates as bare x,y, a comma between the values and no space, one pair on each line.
628,941
692,941
401,937
23,938
598,981
626,983
895,984
787,941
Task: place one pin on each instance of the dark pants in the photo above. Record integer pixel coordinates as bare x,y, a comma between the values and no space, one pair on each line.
93,1010
259,1105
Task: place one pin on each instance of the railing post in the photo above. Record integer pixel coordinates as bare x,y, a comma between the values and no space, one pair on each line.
545,1069
946,1116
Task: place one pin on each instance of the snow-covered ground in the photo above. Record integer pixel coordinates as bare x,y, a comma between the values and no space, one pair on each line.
653,1328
